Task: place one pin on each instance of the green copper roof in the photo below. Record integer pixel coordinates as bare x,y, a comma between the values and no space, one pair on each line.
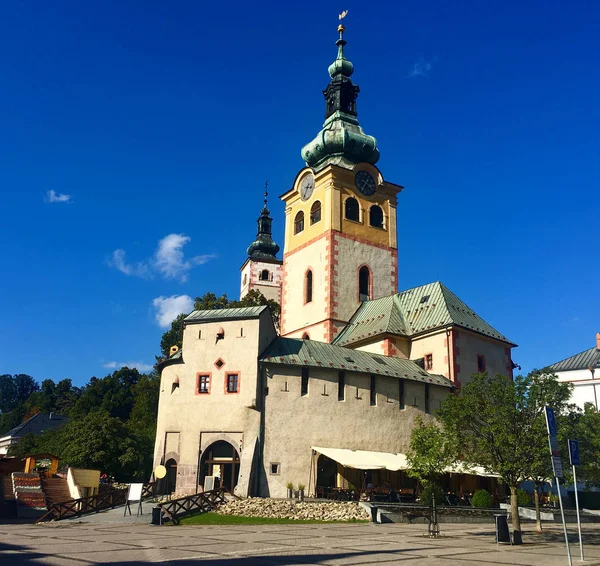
584,360
413,312
214,315
264,248
341,141
310,353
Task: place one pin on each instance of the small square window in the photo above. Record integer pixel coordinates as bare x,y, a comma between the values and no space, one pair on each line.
275,468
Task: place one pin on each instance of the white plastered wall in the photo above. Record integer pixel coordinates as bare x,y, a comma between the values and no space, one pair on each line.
224,415
294,423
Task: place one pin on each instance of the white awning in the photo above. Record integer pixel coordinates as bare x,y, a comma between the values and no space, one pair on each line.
366,460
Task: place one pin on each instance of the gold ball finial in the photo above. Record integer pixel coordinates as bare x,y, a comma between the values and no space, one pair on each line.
341,29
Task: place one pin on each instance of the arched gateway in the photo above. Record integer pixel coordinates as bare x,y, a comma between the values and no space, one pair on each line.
222,461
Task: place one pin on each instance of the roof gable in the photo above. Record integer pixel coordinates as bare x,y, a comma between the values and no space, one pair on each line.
413,312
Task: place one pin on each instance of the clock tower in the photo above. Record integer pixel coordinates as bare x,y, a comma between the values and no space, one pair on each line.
340,231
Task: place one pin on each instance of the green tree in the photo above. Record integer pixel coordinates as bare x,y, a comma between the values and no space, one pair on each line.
431,452
113,394
172,337
498,424
210,301
583,426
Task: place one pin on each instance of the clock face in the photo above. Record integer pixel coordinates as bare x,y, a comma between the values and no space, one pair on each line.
307,186
365,183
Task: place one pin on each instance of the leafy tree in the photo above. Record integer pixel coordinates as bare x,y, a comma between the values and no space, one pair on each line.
585,427
15,390
210,301
498,424
431,452
172,337
113,394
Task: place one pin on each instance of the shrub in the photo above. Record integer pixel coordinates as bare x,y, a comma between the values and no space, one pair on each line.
427,493
301,487
482,499
523,498
290,485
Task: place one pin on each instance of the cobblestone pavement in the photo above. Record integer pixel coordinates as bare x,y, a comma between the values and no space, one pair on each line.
71,544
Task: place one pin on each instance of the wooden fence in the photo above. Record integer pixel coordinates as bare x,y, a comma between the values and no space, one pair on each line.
198,503
92,504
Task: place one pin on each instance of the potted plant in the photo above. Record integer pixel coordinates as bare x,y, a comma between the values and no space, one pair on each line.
290,489
301,487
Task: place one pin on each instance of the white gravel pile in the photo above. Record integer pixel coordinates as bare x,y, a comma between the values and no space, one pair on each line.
288,509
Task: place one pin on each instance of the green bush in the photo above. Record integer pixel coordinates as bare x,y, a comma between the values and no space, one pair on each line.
482,499
427,495
523,498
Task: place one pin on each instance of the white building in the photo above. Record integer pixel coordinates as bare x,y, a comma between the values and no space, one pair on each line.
583,371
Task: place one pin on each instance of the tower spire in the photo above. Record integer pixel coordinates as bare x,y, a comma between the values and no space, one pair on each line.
264,247
342,140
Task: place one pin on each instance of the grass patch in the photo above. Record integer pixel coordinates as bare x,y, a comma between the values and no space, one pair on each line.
216,519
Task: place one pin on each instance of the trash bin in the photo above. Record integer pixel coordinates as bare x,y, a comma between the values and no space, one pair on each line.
502,532
156,516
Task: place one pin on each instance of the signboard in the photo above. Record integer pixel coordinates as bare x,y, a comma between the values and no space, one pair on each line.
551,422
557,466
135,492
553,439
574,452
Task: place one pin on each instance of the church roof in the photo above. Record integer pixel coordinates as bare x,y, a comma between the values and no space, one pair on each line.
214,315
413,312
583,360
310,353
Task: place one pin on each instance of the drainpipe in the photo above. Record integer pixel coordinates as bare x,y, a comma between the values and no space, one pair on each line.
450,360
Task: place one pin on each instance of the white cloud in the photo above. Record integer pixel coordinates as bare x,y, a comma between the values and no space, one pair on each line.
139,269
421,68
140,366
168,260
52,196
168,308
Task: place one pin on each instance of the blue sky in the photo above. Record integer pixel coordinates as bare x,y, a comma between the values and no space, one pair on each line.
150,128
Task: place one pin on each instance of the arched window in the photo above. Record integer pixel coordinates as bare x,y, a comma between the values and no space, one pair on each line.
308,287
264,275
364,284
299,223
305,336
315,212
245,279
376,216
351,209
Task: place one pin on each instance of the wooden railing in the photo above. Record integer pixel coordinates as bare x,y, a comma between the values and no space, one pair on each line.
92,504
198,503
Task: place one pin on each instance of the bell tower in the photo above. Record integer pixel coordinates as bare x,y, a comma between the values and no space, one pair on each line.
340,231
262,270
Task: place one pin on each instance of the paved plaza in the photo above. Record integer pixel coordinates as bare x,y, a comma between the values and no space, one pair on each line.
71,543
